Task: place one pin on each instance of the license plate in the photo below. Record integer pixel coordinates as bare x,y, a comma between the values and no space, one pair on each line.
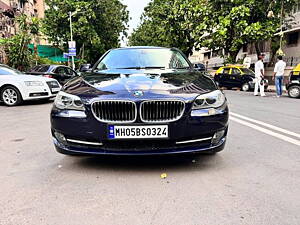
55,89
138,132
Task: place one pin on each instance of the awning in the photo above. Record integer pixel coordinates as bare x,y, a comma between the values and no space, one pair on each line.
50,52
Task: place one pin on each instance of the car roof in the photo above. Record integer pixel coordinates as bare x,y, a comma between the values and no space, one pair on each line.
3,65
233,66
297,68
142,47
50,65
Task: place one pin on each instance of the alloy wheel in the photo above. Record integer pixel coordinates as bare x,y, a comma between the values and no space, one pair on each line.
245,87
294,92
10,96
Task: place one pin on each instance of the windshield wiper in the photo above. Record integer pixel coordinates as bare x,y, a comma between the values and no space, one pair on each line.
143,67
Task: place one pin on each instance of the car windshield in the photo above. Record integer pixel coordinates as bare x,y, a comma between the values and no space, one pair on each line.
9,71
247,71
143,59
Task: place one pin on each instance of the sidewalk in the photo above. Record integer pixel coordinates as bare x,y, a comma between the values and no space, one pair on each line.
272,88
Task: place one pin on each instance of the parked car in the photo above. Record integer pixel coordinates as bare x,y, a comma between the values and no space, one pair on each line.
199,67
140,101
16,87
235,76
59,72
85,67
293,86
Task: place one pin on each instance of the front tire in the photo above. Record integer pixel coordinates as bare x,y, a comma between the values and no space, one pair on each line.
246,87
11,96
294,92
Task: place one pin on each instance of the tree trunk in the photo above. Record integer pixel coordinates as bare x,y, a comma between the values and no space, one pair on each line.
258,51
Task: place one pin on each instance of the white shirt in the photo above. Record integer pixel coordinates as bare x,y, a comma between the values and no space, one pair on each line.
259,66
279,68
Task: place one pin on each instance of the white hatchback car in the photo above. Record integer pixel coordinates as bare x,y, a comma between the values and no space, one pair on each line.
16,87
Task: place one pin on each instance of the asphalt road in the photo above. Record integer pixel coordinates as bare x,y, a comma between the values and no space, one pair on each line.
256,180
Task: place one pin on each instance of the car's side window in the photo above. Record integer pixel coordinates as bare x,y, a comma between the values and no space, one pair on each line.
70,72
60,70
226,70
236,71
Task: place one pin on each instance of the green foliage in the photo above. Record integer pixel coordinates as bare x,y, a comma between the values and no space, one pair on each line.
41,61
96,25
171,23
216,24
237,22
16,47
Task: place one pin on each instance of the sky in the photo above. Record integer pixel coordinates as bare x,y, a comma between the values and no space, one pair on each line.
136,8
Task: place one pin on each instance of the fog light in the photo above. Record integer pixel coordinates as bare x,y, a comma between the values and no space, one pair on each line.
217,137
60,137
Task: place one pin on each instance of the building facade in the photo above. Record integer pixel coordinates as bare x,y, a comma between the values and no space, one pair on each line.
10,9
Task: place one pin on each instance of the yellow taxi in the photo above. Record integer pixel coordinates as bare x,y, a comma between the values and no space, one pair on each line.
236,76
293,85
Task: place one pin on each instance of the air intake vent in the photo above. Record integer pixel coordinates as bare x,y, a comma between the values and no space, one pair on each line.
115,111
162,111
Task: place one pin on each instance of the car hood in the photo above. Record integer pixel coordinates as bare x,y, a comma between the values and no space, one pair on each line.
156,83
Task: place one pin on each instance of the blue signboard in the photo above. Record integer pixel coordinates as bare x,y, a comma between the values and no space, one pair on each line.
66,55
72,51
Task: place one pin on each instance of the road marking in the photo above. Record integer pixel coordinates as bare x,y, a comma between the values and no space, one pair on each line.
264,130
266,125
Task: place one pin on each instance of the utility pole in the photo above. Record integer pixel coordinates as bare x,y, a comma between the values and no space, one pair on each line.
71,32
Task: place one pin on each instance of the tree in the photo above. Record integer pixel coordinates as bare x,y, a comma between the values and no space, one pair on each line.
97,25
235,23
216,24
16,47
171,23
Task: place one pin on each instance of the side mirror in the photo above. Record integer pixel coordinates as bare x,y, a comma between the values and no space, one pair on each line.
85,67
199,67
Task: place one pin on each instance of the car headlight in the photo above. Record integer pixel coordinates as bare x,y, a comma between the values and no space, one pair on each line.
213,99
33,83
67,101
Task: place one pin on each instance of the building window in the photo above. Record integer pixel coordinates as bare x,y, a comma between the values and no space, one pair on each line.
207,55
292,39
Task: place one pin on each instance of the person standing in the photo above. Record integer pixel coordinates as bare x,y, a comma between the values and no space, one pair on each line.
278,75
259,76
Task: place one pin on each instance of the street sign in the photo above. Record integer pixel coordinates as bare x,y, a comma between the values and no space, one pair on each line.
72,48
72,51
66,55
72,44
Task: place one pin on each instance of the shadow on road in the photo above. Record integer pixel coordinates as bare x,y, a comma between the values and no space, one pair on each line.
148,163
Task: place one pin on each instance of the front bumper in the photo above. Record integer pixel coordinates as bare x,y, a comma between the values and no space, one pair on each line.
86,135
39,92
85,150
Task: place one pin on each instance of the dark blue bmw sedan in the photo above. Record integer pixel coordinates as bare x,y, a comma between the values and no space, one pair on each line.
140,101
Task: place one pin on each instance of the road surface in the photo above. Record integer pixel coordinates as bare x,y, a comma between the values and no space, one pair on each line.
256,180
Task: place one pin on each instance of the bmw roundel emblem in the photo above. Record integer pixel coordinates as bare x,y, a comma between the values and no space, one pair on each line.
138,94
